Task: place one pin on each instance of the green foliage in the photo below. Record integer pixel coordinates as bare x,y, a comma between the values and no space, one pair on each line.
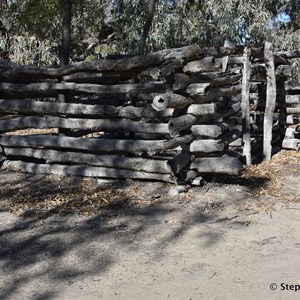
175,23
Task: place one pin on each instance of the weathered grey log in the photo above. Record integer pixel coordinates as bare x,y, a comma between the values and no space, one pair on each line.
206,146
291,144
178,162
270,101
230,110
284,71
293,110
245,106
292,99
49,89
221,165
215,93
292,85
207,64
175,125
49,108
181,81
290,120
111,161
95,144
170,100
111,66
66,170
151,136
212,130
198,88
203,109
288,54
81,124
163,70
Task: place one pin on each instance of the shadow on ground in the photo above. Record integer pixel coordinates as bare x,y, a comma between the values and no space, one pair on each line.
48,243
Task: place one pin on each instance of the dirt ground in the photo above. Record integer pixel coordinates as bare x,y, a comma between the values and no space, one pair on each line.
73,238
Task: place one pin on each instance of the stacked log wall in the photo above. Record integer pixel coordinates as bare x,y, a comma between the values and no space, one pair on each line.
172,116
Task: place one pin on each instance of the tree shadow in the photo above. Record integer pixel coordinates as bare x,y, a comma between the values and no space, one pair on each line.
58,246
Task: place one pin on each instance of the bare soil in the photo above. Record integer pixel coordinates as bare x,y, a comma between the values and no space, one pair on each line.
76,238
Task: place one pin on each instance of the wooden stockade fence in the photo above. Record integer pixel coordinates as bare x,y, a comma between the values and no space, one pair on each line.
171,116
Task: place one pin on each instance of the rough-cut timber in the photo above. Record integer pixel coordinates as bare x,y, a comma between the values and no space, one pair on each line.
270,101
222,165
95,144
13,90
206,146
207,64
65,170
73,109
291,144
110,161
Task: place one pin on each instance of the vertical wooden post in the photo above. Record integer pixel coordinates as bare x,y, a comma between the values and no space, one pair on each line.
270,100
246,105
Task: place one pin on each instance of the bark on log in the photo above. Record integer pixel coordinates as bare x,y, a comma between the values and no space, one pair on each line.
175,125
110,161
181,81
132,65
198,89
13,90
81,124
207,64
71,109
284,71
291,144
246,105
65,170
163,101
206,146
96,145
215,93
292,85
270,101
221,165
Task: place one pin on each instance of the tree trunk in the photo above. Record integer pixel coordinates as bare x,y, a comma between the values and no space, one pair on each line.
150,14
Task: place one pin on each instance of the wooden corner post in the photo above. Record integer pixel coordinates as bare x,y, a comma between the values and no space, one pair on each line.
246,105
270,100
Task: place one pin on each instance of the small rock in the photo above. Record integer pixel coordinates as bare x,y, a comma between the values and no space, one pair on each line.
177,190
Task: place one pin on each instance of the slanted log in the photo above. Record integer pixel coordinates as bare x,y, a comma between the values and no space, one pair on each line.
291,144
110,161
13,90
270,101
163,70
66,170
175,125
206,146
132,65
178,162
163,101
96,145
81,124
27,106
221,165
207,64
